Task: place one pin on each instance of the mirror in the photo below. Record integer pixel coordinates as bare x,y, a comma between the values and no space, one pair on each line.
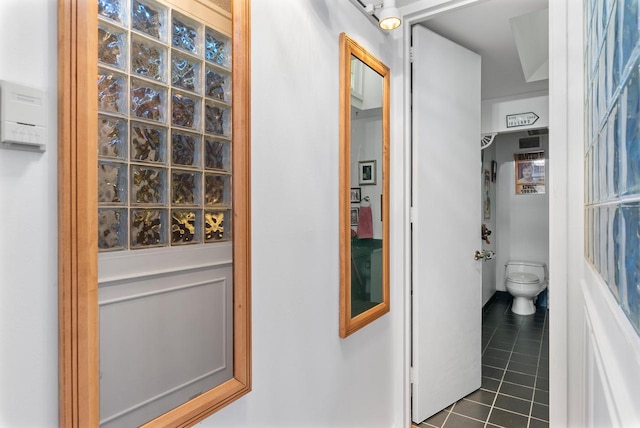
154,277
364,187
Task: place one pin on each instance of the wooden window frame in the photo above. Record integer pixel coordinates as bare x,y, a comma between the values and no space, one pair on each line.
77,222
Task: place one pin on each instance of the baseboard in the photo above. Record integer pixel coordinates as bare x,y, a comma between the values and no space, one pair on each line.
498,295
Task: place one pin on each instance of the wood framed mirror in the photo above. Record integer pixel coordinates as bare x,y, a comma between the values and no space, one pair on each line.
364,187
154,215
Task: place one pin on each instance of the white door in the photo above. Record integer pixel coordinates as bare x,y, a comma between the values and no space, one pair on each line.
447,281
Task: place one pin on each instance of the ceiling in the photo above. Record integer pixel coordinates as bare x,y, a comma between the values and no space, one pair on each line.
484,27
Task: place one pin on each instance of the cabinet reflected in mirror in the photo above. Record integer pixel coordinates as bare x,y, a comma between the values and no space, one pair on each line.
364,195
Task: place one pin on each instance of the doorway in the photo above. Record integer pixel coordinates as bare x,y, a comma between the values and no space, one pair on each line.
484,14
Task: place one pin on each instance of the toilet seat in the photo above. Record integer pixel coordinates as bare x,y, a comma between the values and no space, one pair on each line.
522,278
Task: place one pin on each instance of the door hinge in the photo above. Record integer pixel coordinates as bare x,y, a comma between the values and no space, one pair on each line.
411,54
412,214
411,375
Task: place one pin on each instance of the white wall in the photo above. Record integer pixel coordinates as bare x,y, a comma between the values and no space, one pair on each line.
303,373
28,226
496,110
522,230
489,266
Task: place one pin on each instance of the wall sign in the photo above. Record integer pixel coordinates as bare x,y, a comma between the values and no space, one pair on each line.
521,119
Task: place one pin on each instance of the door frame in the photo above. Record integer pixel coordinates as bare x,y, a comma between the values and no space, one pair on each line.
561,34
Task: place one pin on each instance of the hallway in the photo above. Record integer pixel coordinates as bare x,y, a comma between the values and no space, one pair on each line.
515,373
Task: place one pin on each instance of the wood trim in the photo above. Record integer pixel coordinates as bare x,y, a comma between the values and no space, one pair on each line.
344,183
348,324
77,202
77,223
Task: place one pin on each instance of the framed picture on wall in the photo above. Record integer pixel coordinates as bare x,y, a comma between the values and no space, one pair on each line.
354,216
486,199
529,173
367,172
356,195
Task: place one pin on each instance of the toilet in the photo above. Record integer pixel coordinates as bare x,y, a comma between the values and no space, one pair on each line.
524,281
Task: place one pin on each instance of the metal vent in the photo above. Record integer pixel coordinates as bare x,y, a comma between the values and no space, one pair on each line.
529,143
541,131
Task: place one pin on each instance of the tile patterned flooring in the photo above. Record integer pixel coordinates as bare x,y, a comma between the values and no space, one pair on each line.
515,373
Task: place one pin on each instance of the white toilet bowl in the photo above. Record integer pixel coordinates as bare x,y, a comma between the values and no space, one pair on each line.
524,281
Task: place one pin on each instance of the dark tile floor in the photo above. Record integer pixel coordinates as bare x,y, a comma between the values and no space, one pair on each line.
515,373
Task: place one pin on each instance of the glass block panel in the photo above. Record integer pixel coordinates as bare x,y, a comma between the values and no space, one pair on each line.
186,226
112,9
112,89
217,154
217,119
148,59
185,187
595,189
593,47
602,86
148,143
186,34
185,149
185,72
629,36
112,183
148,101
587,179
587,242
613,71
603,230
613,253
112,46
148,185
613,153
112,229
587,126
631,249
150,18
148,228
112,137
602,167
594,236
631,154
595,125
218,84
217,48
217,226
145,162
588,236
185,110
217,189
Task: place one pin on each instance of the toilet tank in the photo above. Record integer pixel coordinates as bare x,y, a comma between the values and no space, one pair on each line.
535,268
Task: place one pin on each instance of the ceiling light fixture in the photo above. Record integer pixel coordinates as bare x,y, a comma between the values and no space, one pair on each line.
389,17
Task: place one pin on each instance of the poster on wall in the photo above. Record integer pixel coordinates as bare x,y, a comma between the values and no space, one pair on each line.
529,173
487,199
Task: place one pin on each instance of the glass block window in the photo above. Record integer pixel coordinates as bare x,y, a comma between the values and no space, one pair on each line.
612,148
164,128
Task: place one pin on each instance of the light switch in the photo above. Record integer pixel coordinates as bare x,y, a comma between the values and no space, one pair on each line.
22,117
